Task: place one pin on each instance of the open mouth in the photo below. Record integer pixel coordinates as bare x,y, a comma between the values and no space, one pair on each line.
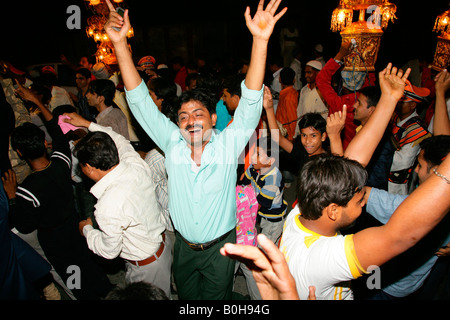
195,131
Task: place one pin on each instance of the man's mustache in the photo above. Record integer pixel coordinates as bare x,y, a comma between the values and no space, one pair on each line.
195,126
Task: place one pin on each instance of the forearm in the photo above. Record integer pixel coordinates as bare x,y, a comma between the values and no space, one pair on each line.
414,218
44,110
257,68
100,244
362,147
441,124
336,144
130,75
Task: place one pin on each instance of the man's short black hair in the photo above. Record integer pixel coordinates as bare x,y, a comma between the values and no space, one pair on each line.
98,150
105,88
29,139
435,149
327,179
373,94
85,73
233,84
201,95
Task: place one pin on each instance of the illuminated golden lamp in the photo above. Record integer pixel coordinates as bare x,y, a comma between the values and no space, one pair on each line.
95,30
365,33
442,54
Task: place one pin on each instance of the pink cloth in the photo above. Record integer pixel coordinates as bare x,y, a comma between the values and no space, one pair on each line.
66,127
247,210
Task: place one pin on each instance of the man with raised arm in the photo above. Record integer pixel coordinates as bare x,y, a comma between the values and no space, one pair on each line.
201,165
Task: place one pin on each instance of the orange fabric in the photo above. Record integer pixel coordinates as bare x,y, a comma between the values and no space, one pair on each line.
287,110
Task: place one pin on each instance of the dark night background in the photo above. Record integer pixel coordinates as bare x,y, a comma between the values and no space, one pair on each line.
36,32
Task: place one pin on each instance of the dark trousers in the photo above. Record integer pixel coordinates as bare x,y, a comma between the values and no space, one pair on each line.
203,275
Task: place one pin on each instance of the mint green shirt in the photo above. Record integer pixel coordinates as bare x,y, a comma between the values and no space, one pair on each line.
202,200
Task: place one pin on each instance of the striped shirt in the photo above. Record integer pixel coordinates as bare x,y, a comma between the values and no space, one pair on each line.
155,159
45,198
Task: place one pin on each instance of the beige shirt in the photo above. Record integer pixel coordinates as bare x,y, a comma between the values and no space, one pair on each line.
126,211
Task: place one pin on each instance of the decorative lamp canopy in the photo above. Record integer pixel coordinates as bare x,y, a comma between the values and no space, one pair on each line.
95,30
442,54
442,23
366,32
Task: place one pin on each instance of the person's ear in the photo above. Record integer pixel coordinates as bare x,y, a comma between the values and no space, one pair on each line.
333,211
101,99
214,119
324,136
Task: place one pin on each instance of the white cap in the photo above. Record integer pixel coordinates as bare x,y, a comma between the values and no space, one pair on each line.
315,64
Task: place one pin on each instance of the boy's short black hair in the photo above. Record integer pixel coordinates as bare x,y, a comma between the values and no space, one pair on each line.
287,76
327,179
315,120
29,139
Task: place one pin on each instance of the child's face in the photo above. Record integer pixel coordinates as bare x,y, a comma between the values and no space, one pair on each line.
312,140
260,159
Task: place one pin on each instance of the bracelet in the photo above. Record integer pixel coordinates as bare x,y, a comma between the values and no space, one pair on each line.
441,176
341,63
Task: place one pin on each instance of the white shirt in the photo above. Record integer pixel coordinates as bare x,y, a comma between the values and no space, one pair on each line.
310,101
127,211
60,97
296,65
328,263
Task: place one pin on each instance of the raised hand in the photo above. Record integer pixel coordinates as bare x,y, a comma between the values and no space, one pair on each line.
442,82
393,81
25,93
269,268
117,21
268,99
76,120
263,23
336,122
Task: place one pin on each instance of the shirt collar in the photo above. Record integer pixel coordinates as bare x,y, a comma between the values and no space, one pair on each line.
100,187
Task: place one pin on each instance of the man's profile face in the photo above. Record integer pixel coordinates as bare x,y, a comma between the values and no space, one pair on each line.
423,170
230,101
353,209
196,123
361,108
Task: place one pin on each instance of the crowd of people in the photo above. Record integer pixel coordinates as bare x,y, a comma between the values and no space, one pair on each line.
178,174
